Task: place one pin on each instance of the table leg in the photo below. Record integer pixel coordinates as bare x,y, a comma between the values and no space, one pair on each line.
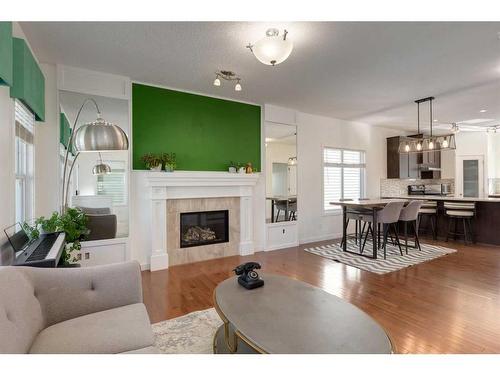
344,229
286,211
272,210
375,233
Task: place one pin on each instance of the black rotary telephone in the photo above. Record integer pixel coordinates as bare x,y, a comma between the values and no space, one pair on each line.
248,278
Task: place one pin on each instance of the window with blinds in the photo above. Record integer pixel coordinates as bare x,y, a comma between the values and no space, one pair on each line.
343,175
114,184
24,162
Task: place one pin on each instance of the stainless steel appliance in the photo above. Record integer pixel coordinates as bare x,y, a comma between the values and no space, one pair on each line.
431,189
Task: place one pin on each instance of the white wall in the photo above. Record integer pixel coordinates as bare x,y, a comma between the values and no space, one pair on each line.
46,139
473,144
313,133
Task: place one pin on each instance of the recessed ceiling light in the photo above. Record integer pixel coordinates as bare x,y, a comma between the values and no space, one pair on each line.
483,110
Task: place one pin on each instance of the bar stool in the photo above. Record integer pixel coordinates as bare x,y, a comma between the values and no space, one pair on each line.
409,214
457,211
429,210
388,217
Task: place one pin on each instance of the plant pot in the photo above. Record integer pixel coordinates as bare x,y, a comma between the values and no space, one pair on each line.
69,265
155,169
242,170
232,170
169,168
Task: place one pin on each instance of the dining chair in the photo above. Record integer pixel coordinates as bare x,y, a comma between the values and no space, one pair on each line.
388,217
429,210
409,215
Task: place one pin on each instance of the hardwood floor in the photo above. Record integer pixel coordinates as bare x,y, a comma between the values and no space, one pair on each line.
447,305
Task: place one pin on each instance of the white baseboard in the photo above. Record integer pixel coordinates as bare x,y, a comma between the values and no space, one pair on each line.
324,237
281,246
159,262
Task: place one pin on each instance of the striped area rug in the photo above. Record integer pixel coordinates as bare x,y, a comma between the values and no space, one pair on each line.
394,261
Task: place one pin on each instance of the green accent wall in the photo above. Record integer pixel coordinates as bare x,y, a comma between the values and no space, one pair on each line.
29,82
6,53
205,133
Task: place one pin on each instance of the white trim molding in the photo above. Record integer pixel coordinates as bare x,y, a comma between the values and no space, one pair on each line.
163,186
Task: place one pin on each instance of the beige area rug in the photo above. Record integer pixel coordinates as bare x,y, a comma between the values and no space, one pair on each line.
188,334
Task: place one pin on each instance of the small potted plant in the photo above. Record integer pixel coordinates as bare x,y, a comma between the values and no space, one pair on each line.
169,160
233,167
152,162
242,168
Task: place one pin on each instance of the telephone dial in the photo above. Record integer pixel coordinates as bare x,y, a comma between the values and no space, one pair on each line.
248,277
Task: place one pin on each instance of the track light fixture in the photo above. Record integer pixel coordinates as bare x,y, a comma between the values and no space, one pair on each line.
227,75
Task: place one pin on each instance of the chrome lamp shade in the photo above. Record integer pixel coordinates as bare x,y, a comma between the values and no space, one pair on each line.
101,169
100,136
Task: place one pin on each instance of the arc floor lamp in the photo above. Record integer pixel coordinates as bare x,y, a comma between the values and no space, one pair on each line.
97,136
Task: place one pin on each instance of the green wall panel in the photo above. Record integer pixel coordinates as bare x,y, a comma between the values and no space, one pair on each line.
6,53
29,82
206,133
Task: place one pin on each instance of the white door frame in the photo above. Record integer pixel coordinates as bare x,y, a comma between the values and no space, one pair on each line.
459,186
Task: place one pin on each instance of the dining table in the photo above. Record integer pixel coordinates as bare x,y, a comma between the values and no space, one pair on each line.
363,207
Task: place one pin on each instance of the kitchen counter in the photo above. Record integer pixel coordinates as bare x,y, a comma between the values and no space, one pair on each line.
446,198
485,223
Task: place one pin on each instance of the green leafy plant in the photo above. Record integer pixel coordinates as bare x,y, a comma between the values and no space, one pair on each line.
169,160
233,164
73,223
151,160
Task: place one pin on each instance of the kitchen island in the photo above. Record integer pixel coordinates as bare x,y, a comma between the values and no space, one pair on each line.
486,223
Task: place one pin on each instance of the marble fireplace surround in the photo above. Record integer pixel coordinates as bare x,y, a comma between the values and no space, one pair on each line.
199,190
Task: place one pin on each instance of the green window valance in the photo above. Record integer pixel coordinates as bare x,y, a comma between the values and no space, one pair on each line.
6,53
29,82
65,131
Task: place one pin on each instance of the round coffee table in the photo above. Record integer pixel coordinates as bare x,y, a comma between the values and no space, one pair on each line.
291,317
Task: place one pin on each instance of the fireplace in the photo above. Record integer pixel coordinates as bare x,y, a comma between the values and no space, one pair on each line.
204,228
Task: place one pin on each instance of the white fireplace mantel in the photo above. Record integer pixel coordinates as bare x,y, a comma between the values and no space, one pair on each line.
192,185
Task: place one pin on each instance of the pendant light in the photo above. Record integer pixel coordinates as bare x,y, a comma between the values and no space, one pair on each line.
101,168
272,49
427,143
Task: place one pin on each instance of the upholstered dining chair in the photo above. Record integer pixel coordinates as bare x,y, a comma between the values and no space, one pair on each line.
409,214
387,217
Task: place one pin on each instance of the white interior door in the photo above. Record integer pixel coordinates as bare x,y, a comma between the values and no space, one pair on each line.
470,176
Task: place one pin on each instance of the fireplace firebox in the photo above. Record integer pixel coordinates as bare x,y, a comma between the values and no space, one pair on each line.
204,228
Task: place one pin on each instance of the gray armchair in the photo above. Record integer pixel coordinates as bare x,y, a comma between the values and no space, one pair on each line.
74,310
101,223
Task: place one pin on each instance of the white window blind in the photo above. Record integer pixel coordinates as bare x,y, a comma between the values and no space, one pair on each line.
114,184
24,162
343,175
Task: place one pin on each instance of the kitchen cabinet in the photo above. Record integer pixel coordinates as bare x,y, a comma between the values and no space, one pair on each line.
400,165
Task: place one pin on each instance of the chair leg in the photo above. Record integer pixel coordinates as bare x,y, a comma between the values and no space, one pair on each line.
455,230
449,228
343,239
433,226
356,232
406,236
361,235
465,231
277,215
366,236
397,237
471,232
417,241
384,245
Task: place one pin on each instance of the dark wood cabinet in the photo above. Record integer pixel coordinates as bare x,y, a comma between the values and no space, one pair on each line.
415,165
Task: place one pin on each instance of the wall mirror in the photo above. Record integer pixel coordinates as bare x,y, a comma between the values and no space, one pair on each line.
103,197
281,172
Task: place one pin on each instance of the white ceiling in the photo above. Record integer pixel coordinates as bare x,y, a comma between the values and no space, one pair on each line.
368,72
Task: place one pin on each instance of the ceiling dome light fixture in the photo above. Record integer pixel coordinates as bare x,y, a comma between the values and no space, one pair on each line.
272,49
227,75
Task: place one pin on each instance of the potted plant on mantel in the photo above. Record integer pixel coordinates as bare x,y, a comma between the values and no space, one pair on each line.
233,167
152,162
169,161
73,223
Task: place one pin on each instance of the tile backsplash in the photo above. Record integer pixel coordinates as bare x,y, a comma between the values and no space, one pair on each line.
393,187
494,186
